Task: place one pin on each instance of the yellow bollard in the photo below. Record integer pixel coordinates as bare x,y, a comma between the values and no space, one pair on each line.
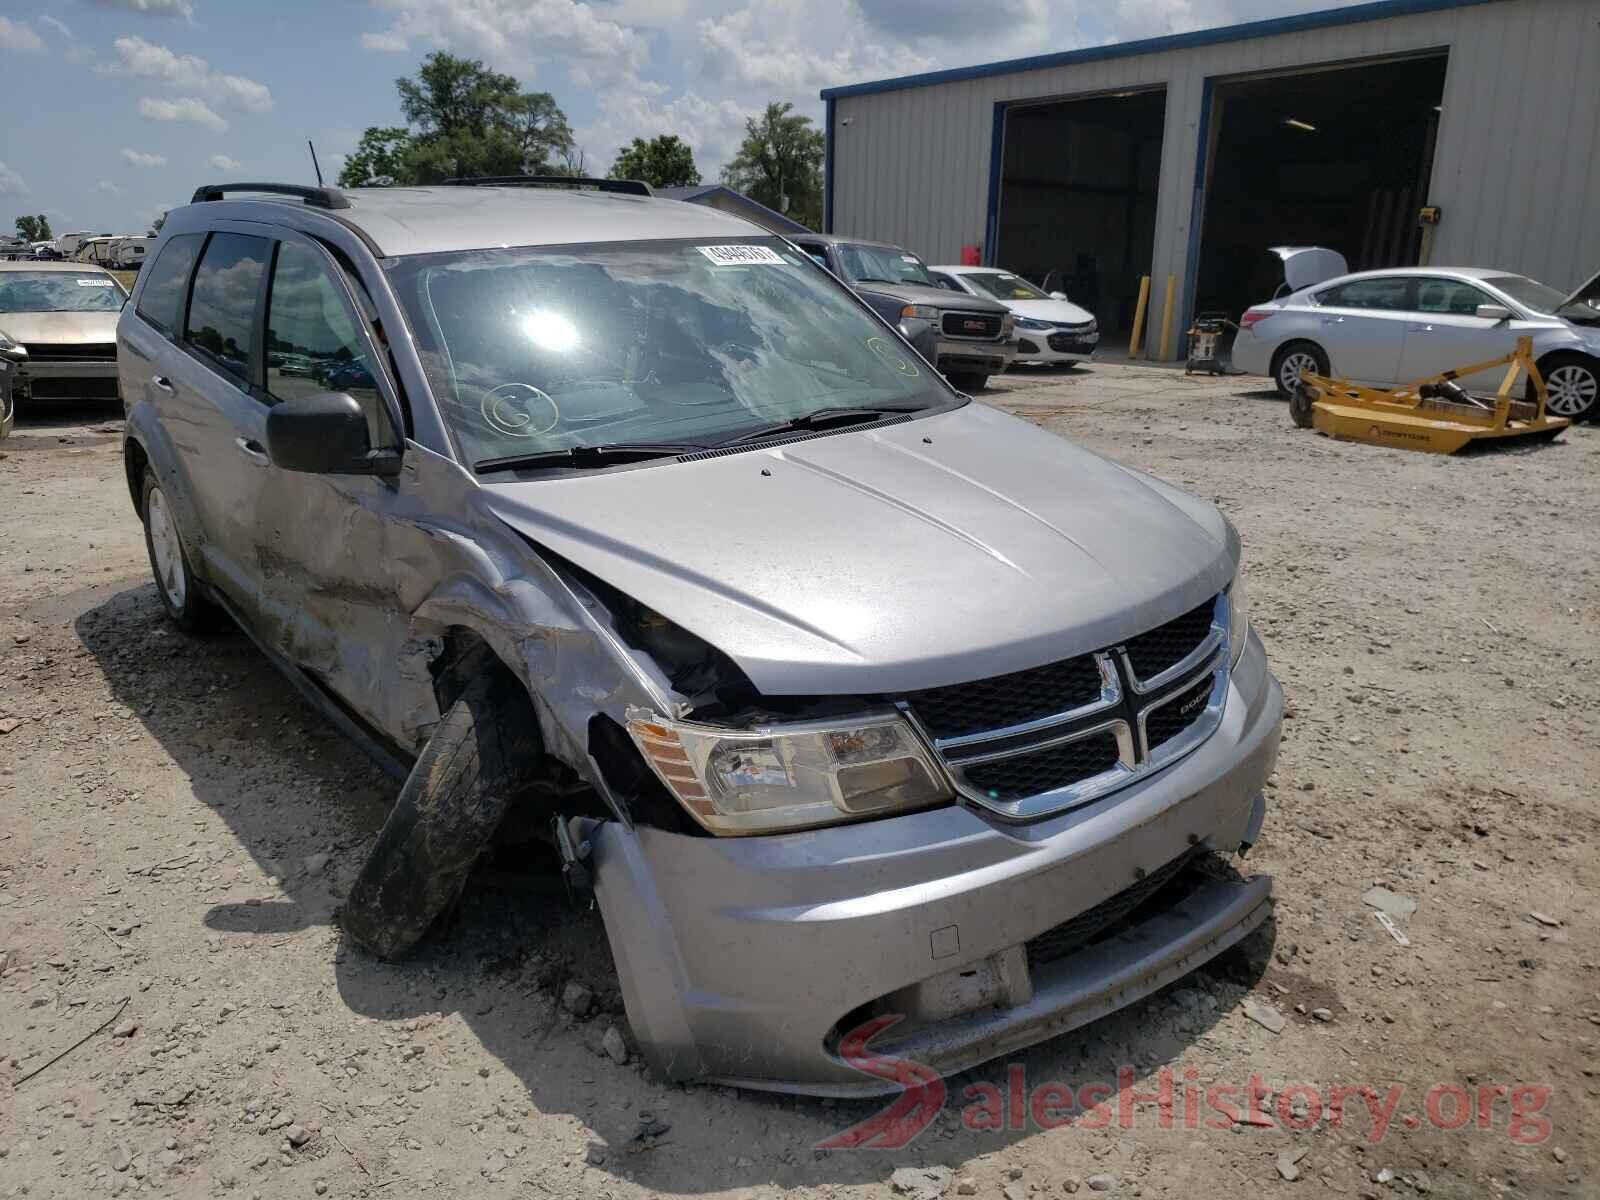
1138,316
1166,321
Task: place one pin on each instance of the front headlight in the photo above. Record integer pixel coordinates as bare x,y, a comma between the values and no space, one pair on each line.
1008,325
1238,618
1031,323
922,312
784,776
6,343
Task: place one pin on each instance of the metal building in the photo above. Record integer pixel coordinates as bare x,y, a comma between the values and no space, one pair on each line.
1187,156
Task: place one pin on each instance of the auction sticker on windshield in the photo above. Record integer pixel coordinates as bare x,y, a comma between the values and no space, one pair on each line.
95,283
741,256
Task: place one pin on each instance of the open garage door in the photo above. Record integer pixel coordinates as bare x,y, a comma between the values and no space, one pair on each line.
1077,208
1337,157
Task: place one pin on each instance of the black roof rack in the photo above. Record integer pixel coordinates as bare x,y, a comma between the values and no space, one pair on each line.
622,187
315,197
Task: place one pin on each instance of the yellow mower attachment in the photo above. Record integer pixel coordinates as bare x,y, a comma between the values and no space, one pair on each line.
1437,415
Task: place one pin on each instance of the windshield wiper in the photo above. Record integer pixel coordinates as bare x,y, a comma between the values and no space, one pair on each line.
607,454
823,418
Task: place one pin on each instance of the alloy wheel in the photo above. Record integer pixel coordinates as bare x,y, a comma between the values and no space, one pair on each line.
166,549
1572,390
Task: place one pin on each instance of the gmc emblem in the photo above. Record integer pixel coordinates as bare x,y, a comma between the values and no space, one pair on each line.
975,326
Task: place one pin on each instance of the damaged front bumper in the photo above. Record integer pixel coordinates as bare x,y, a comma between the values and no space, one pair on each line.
747,960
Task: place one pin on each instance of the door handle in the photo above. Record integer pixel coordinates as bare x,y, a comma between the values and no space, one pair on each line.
252,449
1419,328
162,382
1333,320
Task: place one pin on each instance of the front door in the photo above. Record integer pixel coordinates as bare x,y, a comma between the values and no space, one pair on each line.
1362,326
324,543
1444,332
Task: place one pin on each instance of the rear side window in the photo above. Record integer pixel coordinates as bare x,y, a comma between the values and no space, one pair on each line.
161,302
222,311
1391,294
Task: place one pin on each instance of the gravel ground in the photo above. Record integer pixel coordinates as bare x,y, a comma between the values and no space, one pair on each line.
178,830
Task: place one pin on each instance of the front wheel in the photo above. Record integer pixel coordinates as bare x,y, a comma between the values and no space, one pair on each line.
1572,382
1293,359
969,381
483,753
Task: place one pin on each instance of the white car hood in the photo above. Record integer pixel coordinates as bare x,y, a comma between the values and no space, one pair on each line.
1061,312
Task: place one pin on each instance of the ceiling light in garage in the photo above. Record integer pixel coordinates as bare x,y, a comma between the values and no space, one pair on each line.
1306,125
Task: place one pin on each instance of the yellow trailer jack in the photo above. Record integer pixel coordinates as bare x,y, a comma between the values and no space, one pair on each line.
1437,415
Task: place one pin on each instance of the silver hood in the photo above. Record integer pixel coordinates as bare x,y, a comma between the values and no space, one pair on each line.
61,328
936,551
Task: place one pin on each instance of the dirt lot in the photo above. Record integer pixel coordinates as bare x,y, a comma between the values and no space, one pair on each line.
178,830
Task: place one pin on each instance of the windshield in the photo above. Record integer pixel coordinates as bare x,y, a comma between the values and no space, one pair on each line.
58,291
531,351
1542,298
883,264
1004,286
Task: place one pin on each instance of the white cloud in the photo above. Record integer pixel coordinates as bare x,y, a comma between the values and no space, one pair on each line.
138,158
793,48
109,188
180,9
147,60
222,162
12,184
713,128
14,35
384,41
514,34
184,108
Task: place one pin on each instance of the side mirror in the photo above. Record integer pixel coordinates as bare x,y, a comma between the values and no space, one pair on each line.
325,434
1058,295
1493,312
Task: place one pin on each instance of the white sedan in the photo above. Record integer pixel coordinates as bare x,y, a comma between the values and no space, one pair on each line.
1050,328
1408,323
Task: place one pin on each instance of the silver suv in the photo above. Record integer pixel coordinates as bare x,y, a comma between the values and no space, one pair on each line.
885,726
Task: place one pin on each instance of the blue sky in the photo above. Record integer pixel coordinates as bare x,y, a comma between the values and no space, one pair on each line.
115,110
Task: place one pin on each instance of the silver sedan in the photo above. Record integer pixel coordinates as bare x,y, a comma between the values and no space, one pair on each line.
1409,323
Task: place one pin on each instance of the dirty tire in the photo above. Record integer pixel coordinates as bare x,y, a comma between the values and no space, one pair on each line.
190,609
480,756
1300,406
969,381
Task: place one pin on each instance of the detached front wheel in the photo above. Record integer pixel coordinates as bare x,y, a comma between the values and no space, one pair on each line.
481,755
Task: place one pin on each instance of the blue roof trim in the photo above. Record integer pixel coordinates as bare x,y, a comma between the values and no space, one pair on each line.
1330,18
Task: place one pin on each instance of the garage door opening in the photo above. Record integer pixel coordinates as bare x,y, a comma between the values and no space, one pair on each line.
1077,201
1338,158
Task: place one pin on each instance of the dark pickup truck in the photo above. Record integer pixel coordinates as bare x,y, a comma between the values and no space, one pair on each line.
966,337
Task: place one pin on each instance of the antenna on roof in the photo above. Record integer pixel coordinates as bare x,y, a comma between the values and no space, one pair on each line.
316,165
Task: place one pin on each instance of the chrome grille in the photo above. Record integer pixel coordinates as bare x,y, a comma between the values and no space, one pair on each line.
1167,645
1048,738
1005,700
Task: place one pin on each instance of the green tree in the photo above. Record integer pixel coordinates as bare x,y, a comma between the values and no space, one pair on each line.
779,163
663,161
464,120
34,229
376,161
